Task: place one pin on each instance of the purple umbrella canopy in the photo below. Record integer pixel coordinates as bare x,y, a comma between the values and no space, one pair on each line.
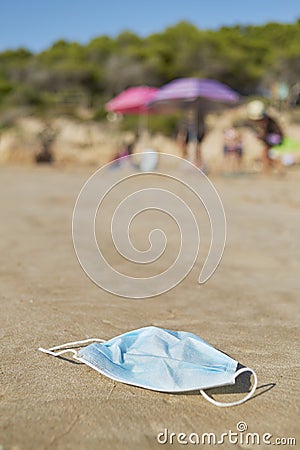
194,91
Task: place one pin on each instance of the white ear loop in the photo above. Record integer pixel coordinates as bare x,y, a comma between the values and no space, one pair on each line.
238,402
50,351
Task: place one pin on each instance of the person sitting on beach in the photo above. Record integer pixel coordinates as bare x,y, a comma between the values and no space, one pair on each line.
267,130
126,150
233,149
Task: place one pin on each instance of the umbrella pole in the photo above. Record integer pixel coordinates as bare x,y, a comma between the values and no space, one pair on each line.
143,123
198,132
194,143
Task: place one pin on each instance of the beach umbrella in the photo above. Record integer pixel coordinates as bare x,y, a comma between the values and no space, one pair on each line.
203,94
134,100
194,94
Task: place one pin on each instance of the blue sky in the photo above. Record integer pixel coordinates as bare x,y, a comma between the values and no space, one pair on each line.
36,24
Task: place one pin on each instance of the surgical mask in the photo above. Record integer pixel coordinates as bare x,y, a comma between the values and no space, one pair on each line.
160,360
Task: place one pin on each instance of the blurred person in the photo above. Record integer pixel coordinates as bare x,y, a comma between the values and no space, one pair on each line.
232,149
191,134
47,138
126,150
268,131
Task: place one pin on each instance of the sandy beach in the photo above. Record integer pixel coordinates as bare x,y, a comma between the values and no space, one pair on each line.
249,309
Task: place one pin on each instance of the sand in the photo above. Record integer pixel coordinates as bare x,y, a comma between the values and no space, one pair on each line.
248,309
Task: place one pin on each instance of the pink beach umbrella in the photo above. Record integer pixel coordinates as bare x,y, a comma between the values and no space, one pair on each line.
133,100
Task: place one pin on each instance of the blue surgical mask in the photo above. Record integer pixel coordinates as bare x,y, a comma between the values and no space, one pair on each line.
160,360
